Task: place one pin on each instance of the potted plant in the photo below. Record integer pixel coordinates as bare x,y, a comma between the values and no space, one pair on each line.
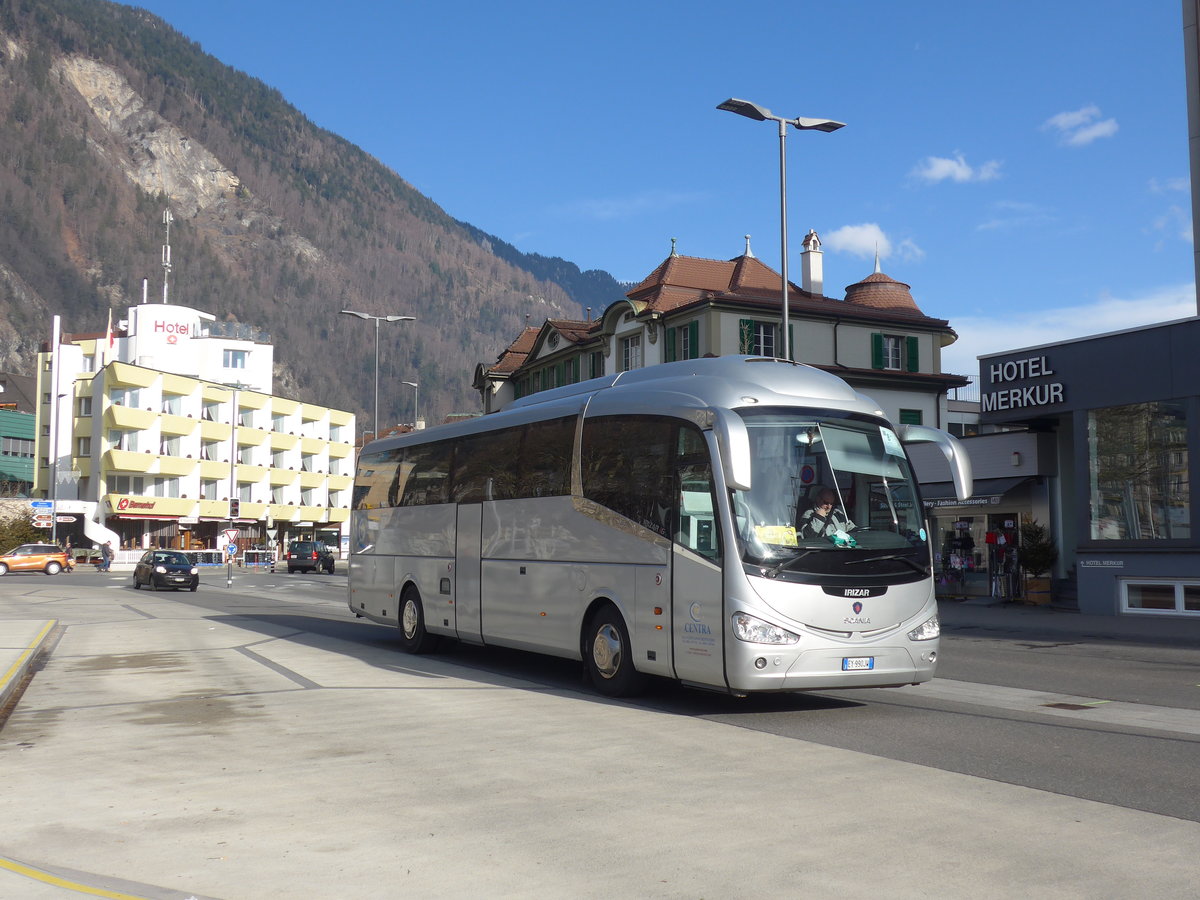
1038,555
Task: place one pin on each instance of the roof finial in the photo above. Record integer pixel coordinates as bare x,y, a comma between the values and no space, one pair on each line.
877,270
749,252
673,253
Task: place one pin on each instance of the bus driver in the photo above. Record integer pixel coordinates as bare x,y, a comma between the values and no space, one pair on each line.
824,519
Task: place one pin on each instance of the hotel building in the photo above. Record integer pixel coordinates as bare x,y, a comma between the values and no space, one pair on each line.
147,433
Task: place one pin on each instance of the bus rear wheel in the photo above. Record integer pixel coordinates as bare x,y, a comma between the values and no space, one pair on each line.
413,636
609,656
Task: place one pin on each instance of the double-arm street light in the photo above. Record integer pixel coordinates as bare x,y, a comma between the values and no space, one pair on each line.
762,114
377,320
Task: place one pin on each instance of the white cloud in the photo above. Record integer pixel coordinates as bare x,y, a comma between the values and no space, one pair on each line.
1014,329
1169,185
939,168
1080,127
867,239
1176,222
859,240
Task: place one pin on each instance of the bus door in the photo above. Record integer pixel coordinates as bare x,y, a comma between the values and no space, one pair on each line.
697,585
467,572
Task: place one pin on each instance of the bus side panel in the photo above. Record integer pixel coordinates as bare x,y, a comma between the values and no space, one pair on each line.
650,626
373,586
698,619
467,573
544,562
419,541
532,575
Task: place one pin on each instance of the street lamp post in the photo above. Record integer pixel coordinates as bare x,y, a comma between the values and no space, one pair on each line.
416,406
377,320
762,114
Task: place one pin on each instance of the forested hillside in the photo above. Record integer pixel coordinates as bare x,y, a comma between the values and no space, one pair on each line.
111,117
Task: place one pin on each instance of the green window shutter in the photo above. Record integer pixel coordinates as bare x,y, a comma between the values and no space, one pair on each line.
575,369
910,417
694,339
914,355
877,351
745,336
670,345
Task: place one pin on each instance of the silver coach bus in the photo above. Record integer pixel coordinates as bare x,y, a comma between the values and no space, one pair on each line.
654,522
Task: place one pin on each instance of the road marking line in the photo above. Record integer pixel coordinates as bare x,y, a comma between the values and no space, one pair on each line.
46,878
16,666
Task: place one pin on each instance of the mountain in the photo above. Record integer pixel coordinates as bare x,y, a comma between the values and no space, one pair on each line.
111,117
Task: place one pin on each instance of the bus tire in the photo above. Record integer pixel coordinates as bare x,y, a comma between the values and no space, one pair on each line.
608,655
413,636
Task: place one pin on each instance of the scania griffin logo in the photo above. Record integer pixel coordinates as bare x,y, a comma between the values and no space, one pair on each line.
857,608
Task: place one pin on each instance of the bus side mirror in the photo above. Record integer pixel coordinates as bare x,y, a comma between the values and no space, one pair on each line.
955,453
734,445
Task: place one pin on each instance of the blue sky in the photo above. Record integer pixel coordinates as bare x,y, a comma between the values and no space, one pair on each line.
1022,165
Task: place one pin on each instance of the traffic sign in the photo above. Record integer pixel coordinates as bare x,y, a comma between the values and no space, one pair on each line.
40,521
62,520
231,535
41,504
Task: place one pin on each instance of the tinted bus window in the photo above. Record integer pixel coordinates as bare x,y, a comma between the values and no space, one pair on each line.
375,479
427,480
475,464
545,458
627,466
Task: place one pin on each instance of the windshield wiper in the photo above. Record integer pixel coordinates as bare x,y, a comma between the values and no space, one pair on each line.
905,559
775,570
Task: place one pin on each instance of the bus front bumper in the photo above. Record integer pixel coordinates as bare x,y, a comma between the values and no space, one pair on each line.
768,668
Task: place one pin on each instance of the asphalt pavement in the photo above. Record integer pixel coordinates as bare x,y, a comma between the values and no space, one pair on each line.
209,756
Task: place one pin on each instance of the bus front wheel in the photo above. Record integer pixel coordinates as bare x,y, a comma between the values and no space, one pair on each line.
609,656
413,636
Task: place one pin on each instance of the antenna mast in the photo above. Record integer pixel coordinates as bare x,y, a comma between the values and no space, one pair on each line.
166,259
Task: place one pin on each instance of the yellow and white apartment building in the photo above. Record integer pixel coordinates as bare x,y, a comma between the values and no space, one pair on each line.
147,433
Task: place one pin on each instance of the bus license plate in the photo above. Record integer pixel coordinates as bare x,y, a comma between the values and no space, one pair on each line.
854,663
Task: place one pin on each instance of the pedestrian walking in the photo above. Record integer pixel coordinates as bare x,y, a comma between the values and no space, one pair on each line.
106,553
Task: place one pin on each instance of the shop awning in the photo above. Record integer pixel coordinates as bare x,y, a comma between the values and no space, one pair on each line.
988,491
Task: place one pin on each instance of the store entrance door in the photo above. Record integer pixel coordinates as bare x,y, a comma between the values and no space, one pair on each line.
1003,539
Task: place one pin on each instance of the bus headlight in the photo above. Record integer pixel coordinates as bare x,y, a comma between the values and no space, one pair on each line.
756,631
927,631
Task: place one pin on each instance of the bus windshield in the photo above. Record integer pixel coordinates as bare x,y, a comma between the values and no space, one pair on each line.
829,494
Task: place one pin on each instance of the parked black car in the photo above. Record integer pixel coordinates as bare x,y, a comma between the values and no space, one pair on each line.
309,556
165,569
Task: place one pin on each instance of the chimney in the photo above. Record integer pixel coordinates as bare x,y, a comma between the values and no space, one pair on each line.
812,270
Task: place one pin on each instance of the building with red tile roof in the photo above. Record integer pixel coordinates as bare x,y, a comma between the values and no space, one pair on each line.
876,338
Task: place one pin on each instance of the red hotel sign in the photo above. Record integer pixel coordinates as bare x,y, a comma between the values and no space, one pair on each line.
125,503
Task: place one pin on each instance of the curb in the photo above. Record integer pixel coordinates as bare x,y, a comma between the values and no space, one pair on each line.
20,660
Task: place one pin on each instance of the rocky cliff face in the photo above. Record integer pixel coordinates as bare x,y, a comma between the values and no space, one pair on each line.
111,117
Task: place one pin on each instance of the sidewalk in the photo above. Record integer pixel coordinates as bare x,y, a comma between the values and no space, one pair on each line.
986,614
21,643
